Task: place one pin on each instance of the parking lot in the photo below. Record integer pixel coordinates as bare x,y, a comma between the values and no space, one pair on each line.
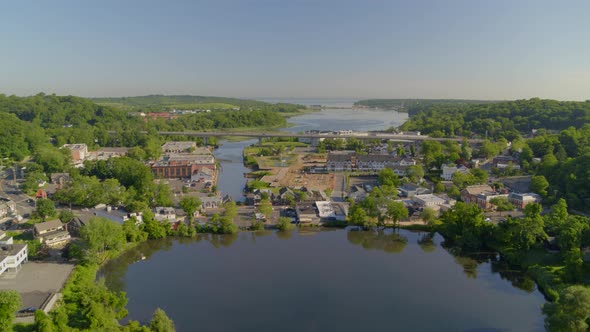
36,281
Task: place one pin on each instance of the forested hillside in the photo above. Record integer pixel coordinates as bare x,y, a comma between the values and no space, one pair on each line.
506,119
30,122
409,105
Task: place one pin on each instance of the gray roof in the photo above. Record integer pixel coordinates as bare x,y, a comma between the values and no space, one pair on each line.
44,226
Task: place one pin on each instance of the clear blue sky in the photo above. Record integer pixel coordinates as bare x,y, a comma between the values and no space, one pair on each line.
290,48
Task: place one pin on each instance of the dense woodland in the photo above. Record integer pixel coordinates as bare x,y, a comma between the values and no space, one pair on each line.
413,105
29,123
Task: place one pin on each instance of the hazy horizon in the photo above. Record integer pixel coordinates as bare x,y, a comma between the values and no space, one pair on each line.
500,50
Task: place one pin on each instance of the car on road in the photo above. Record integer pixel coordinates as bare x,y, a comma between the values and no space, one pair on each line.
27,310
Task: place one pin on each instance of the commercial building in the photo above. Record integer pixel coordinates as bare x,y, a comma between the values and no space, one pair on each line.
79,151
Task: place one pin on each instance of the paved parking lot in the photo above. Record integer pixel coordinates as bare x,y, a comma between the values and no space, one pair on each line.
36,281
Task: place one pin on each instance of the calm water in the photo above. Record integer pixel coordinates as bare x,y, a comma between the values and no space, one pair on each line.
338,280
231,178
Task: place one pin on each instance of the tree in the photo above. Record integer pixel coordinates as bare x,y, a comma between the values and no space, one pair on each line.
285,224
10,302
265,208
65,216
557,217
101,235
44,208
42,322
190,205
358,217
396,211
230,210
539,185
387,177
415,173
464,224
428,215
502,204
571,310
161,323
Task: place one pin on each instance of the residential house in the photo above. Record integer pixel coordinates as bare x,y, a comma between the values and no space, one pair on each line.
179,147
375,162
449,170
284,197
76,224
483,200
41,194
51,233
502,162
428,200
410,189
211,202
79,152
357,193
340,161
520,201
12,255
7,207
469,194
60,179
306,213
162,213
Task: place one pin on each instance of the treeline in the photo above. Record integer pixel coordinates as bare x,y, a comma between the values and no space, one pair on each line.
160,102
28,123
504,119
415,104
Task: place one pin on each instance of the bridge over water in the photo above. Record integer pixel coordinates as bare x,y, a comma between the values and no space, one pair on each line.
369,135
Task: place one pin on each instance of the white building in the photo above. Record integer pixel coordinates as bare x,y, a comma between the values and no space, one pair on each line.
449,170
12,256
428,200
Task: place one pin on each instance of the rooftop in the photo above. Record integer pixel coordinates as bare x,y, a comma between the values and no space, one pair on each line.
45,226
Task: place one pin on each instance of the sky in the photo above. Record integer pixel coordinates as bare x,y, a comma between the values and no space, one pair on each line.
298,49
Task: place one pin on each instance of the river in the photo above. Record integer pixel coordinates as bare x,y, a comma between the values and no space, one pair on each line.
330,280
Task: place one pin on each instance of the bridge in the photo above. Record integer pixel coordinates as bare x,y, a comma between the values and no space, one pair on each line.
360,136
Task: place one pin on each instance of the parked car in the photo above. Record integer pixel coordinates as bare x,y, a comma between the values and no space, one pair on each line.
27,310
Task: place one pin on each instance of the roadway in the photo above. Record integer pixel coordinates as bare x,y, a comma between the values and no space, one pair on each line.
397,137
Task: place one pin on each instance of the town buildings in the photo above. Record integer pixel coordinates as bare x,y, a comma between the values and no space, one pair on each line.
51,233
12,255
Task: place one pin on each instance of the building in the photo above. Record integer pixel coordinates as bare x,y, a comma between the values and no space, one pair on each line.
79,151
327,211
428,200
165,214
357,193
449,170
107,153
203,174
520,201
470,194
410,189
60,179
306,213
340,161
7,207
179,147
502,162
483,200
181,166
51,233
376,162
12,255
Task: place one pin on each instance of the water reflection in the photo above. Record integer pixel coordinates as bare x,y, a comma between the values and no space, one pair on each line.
385,240
426,242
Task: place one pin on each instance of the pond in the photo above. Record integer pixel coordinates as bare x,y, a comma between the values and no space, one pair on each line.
323,280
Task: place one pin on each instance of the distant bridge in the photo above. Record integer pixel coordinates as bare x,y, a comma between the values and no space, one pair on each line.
360,136
369,135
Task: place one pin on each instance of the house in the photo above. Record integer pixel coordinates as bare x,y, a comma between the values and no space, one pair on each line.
60,179
211,202
7,207
330,212
357,193
340,161
449,170
51,233
79,151
41,194
410,189
483,200
165,214
76,224
306,213
284,197
179,147
12,255
375,162
502,162
520,201
203,174
469,194
428,200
